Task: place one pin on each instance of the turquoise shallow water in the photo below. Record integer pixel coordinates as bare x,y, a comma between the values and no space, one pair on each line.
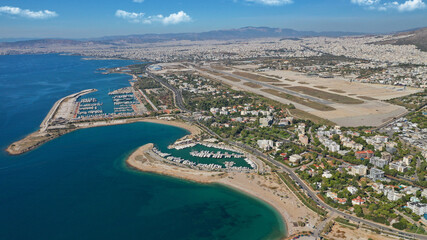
185,154
78,186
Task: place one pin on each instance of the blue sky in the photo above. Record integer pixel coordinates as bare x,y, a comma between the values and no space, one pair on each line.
93,18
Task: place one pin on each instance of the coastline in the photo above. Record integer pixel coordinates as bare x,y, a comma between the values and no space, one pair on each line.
38,138
265,188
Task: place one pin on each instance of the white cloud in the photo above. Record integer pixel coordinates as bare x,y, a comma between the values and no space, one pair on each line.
176,18
16,11
130,16
411,5
365,2
173,18
138,1
271,2
383,5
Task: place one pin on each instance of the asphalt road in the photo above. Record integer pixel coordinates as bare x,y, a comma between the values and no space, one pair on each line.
178,98
180,104
314,196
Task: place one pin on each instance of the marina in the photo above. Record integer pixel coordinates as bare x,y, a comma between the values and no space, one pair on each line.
226,166
82,178
124,104
89,108
207,155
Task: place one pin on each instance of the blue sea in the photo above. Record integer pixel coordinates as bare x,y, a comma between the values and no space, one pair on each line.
79,187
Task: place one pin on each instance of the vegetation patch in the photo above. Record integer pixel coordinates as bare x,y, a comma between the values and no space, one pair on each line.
281,84
146,83
255,77
303,101
310,203
413,102
326,95
345,222
321,87
233,79
337,91
215,80
252,85
308,116
367,98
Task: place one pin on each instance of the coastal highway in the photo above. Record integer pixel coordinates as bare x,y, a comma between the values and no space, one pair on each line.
178,98
332,210
310,193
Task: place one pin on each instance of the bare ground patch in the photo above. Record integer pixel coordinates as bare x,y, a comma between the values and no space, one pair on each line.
326,95
302,101
220,67
255,77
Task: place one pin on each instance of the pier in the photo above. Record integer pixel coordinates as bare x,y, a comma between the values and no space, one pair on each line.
45,123
228,165
208,154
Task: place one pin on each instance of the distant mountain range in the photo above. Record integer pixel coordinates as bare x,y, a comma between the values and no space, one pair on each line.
231,34
416,37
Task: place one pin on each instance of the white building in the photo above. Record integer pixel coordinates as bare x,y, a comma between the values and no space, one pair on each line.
407,160
327,174
352,189
392,195
376,174
265,144
399,166
295,158
418,208
266,122
359,170
378,162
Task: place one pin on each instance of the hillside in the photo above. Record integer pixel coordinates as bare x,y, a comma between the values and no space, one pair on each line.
417,37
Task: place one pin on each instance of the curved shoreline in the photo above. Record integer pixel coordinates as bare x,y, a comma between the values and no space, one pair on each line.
246,183
38,138
250,184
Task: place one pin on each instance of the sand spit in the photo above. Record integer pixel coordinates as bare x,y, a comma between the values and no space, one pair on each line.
267,188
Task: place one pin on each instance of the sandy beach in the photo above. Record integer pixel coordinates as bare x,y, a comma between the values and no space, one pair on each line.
266,188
